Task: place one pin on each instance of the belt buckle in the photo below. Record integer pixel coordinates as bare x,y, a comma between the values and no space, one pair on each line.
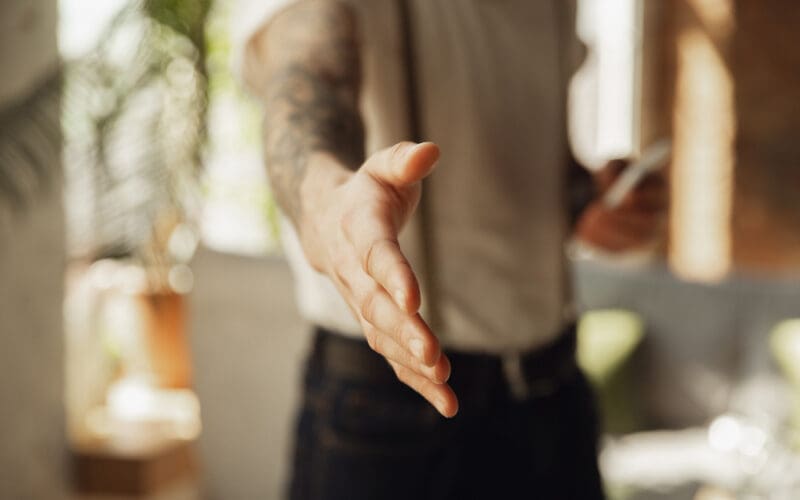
519,384
515,376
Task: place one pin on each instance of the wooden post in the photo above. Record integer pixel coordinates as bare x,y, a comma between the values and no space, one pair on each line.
765,63
724,77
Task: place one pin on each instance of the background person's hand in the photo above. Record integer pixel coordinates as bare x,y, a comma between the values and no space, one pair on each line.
636,223
349,232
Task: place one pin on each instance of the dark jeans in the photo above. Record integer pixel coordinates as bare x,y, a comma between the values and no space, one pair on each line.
374,438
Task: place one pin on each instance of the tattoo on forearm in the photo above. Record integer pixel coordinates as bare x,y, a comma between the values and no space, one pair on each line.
311,97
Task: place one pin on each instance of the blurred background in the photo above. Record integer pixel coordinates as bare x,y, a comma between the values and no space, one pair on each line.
148,336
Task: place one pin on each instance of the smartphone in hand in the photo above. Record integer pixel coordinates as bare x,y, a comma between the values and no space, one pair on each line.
651,160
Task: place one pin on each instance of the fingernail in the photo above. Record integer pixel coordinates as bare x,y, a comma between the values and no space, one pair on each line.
412,148
417,348
441,404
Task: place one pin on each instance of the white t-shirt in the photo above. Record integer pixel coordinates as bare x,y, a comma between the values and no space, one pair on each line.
492,78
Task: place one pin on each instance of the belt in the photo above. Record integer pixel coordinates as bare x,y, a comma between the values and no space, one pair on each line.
535,373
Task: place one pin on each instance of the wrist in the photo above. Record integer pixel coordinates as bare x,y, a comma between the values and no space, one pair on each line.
323,175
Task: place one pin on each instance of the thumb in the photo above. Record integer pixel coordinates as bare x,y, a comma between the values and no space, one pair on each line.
403,164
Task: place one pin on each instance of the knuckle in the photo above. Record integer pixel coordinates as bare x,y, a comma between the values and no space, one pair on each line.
378,345
381,246
401,373
397,371
397,331
372,339
369,258
368,307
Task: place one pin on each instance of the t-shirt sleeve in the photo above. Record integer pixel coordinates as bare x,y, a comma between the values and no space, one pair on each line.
248,20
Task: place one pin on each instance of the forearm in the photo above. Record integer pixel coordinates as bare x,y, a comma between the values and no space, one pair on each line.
312,127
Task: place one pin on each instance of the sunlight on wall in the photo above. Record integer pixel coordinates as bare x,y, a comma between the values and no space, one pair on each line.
618,48
703,158
605,92
82,23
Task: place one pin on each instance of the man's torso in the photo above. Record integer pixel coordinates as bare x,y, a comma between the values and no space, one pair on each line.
489,77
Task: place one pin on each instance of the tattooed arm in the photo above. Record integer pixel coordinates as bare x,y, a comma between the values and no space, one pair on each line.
347,210
311,53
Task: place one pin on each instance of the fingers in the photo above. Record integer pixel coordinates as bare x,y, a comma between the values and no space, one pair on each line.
387,347
441,396
372,305
373,230
410,332
375,245
387,265
428,379
403,164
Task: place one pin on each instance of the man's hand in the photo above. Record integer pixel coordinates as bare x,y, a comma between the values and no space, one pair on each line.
306,66
348,229
635,223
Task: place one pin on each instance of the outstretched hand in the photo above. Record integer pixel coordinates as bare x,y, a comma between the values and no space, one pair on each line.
350,234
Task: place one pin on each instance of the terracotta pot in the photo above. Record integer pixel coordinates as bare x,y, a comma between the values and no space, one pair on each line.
164,320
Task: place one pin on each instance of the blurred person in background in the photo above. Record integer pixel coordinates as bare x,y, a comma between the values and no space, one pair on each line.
345,85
